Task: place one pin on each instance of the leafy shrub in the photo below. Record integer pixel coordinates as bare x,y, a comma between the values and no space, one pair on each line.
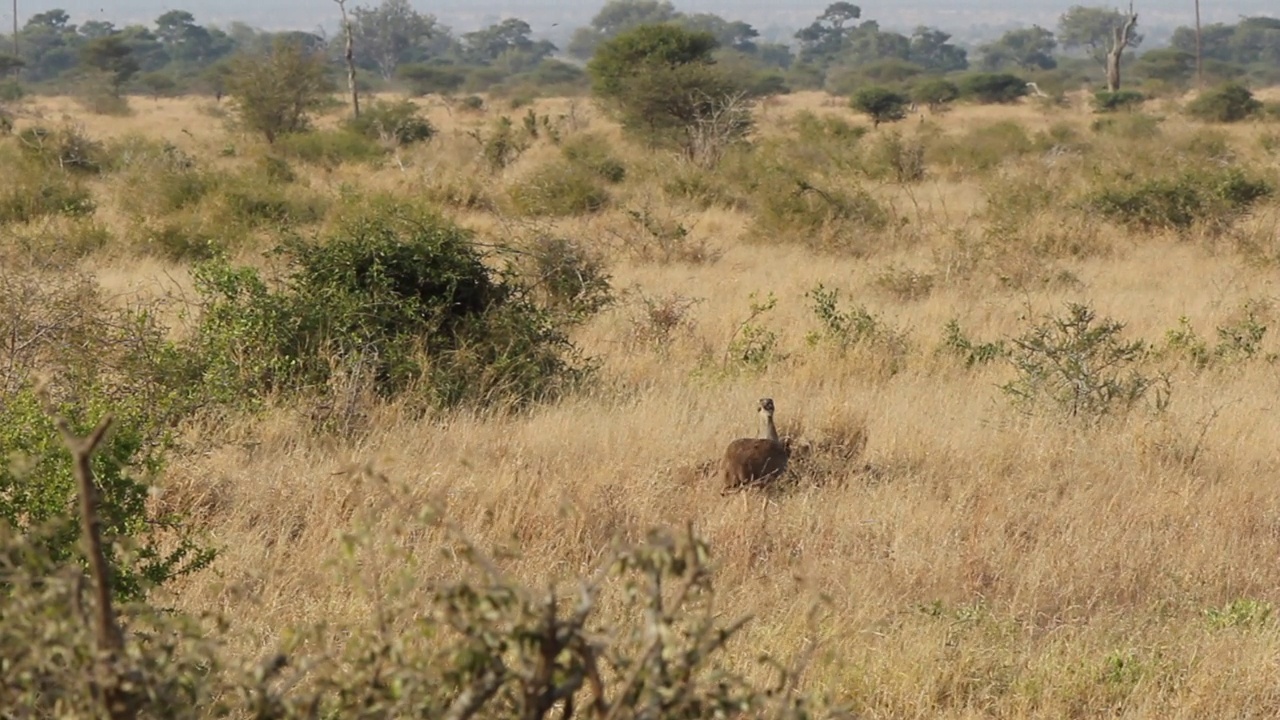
426,79
395,289
753,347
568,277
11,91
330,148
559,188
956,342
1130,126
44,195
981,149
992,88
854,328
1238,341
1105,101
592,151
159,179
663,85
502,144
893,157
880,104
796,210
1213,196
399,121
65,148
1081,366
935,92
179,238
276,93
37,491
94,358
1227,103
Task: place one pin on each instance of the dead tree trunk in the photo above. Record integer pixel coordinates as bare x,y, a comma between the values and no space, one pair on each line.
351,60
1121,36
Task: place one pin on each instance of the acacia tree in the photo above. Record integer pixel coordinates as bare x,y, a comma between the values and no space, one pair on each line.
1091,29
275,94
1122,37
1028,48
662,83
616,17
880,104
386,35
112,56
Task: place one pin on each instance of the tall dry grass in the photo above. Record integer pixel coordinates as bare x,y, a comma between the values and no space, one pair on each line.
971,562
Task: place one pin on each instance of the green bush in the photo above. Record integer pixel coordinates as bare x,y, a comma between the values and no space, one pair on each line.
1130,126
1105,101
853,328
65,149
935,92
159,179
593,152
94,358
829,219
992,88
1227,103
37,490
880,104
1081,366
399,121
559,189
276,93
330,148
981,149
1216,197
54,196
395,292
663,85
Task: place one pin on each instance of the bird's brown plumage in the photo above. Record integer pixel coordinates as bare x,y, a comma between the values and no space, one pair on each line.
755,462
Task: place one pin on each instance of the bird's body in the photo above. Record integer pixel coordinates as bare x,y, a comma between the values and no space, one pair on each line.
755,462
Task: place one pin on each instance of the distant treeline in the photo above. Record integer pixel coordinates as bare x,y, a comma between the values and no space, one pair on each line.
397,47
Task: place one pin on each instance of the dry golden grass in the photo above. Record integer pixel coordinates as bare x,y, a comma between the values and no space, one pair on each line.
969,562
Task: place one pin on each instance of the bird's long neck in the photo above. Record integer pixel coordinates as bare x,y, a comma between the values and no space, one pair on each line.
767,428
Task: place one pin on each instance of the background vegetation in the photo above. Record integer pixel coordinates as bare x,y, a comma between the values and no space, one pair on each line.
417,411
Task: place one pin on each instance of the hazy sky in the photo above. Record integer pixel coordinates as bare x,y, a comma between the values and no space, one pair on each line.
463,15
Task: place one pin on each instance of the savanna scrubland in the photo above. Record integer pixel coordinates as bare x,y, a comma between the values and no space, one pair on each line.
1029,343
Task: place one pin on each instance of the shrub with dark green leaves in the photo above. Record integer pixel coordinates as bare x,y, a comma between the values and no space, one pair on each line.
96,359
992,88
880,104
834,219
1215,197
594,153
330,148
395,290
38,492
400,121
935,92
1227,103
1105,101
560,189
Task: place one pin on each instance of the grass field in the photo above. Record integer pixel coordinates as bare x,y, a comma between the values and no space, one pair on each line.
973,560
